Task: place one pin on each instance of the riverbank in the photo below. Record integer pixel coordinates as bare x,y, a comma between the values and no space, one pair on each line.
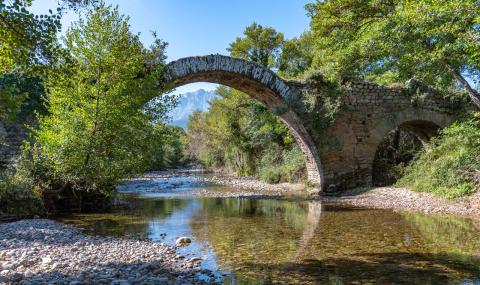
398,199
402,199
41,251
252,188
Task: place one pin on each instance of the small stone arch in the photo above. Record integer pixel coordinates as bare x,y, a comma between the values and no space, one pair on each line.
260,83
423,124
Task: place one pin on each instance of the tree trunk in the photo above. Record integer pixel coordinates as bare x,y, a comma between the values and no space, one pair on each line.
472,93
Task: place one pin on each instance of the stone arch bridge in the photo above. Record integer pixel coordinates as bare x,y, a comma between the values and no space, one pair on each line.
369,113
343,155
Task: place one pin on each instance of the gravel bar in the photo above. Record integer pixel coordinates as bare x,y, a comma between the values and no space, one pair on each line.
408,200
41,251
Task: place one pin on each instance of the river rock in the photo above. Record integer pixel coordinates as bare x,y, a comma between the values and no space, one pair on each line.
46,260
86,259
4,279
183,241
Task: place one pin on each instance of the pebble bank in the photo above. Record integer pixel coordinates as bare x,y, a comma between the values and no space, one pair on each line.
41,251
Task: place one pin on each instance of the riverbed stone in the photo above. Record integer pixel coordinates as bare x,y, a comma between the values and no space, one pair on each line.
183,241
94,260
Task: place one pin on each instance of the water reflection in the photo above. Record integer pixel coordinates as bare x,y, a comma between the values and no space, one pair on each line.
304,242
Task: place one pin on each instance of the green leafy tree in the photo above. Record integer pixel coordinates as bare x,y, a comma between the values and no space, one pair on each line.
25,97
296,56
436,42
260,44
171,152
242,136
238,132
28,41
98,129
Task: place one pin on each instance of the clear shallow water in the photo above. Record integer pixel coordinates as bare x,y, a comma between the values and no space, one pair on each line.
296,242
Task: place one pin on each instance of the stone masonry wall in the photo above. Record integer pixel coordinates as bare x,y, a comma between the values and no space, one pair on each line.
370,112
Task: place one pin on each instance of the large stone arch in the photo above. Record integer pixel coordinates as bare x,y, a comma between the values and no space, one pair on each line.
257,81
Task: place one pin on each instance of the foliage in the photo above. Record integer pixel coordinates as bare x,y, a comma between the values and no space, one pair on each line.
321,104
28,42
296,56
260,44
388,42
450,167
419,92
243,136
29,39
239,133
267,47
170,147
23,95
98,129
393,154
277,164
18,196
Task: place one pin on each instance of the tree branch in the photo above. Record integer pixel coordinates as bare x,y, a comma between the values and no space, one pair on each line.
12,28
472,93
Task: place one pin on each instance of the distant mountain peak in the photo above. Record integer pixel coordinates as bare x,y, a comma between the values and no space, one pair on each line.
190,102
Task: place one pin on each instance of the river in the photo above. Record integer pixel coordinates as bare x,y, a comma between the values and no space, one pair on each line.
293,240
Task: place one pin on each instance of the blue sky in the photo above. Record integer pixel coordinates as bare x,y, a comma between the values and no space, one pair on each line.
200,27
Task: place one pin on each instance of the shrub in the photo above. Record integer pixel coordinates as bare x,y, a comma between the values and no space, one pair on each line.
270,175
278,164
450,167
293,164
18,196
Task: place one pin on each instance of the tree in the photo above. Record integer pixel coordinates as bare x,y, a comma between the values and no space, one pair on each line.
392,41
296,56
260,44
98,129
170,144
238,132
23,97
241,135
28,41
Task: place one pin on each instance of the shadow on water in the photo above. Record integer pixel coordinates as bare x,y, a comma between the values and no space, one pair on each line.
368,268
